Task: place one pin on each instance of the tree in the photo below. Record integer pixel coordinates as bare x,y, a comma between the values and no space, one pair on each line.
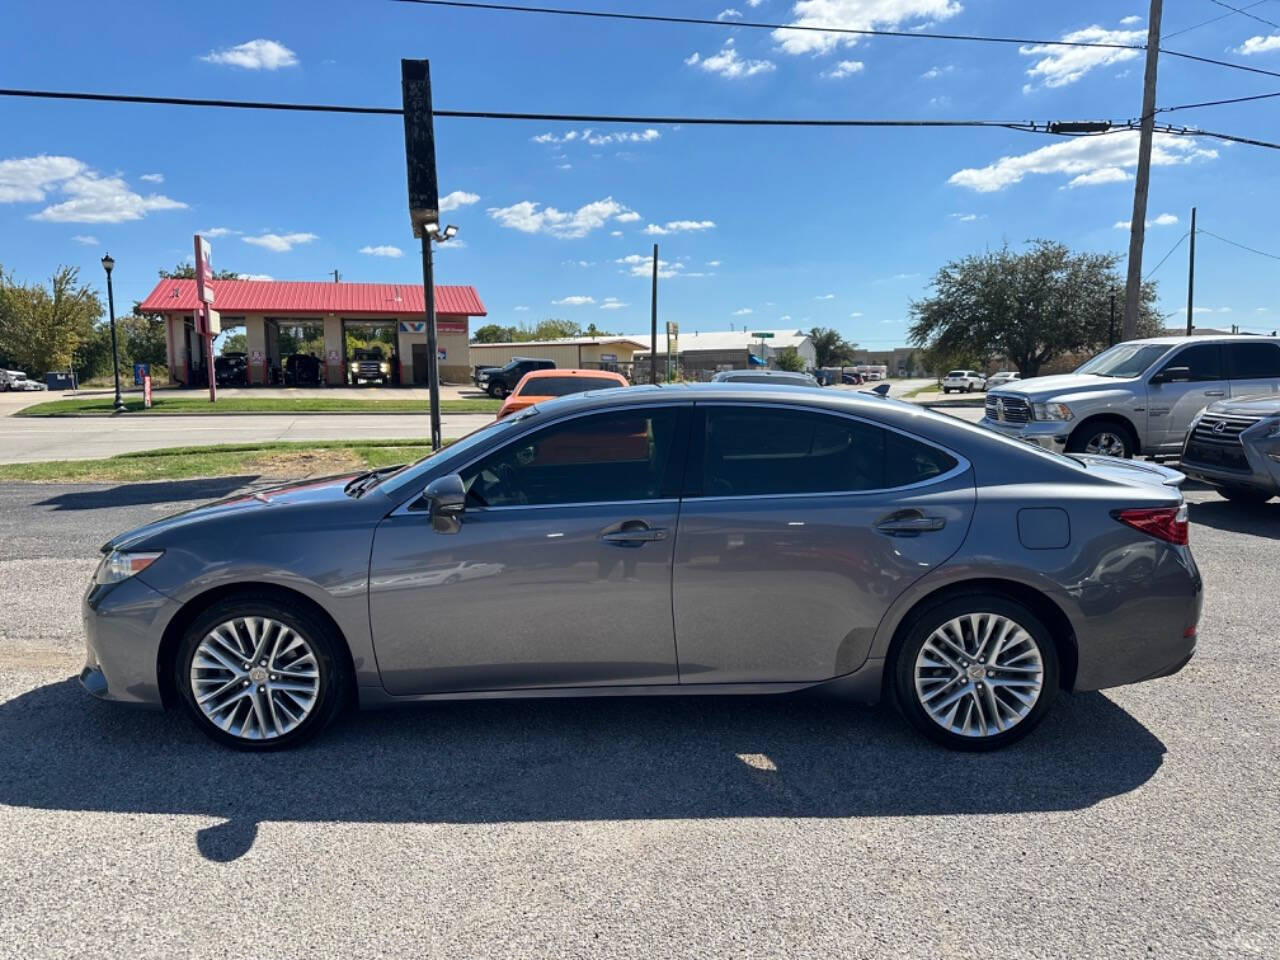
236,343
142,336
553,328
187,271
1032,307
832,349
788,358
493,333
41,328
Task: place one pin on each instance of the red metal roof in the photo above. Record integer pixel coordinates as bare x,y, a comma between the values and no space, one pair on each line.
275,297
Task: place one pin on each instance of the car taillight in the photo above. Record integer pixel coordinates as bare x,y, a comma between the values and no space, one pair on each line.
1163,523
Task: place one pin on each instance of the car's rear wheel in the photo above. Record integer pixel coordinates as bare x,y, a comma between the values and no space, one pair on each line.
261,673
1245,494
976,673
1106,437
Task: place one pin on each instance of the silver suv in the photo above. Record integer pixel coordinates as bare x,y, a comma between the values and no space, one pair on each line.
1138,397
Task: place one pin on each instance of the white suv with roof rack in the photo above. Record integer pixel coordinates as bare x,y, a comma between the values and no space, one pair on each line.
1138,397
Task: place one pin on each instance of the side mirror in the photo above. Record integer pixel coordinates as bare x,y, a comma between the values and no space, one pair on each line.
446,498
1171,374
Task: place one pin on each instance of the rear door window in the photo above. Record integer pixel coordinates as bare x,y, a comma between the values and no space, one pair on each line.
1254,361
752,451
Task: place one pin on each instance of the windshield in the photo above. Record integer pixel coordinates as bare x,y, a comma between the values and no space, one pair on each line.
956,373
563,386
1124,359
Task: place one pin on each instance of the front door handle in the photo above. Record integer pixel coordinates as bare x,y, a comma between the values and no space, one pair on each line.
1215,393
909,523
633,533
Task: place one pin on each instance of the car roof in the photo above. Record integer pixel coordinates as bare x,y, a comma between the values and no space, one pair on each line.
1207,338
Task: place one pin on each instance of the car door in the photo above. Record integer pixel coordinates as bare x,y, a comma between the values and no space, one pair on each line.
1253,368
1173,400
559,574
798,529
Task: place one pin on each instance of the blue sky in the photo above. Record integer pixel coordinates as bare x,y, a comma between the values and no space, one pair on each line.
768,228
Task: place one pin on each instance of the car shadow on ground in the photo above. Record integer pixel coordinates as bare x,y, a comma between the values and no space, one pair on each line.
559,760
141,494
1258,519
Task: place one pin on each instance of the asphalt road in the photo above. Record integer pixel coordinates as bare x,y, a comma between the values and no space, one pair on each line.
1143,822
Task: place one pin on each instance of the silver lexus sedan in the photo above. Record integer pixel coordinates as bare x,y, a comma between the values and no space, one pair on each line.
650,541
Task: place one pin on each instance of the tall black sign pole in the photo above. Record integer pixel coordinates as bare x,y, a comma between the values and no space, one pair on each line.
424,205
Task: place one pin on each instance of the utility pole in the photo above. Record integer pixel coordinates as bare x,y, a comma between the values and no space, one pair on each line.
1142,179
1191,272
336,276
653,321
1111,327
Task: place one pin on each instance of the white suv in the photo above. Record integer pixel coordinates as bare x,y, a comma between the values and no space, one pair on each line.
963,381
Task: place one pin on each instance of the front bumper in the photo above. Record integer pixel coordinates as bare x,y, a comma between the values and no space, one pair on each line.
1050,434
123,626
1262,456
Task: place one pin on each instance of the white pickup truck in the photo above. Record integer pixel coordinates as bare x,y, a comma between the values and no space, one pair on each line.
1138,397
17,380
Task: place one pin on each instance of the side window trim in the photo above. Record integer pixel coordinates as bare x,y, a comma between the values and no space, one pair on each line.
697,449
679,445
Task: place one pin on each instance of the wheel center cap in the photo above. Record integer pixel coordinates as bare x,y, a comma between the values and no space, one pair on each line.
258,675
976,671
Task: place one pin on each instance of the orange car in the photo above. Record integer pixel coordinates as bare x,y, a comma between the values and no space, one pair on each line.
539,385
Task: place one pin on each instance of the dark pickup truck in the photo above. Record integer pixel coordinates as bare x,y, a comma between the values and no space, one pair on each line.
369,366
500,381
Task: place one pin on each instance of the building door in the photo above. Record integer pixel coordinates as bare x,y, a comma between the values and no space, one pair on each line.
420,377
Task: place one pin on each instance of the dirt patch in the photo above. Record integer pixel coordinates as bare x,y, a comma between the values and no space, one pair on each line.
296,464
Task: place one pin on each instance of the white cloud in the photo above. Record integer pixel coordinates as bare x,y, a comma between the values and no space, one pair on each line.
382,250
629,217
856,314
27,179
845,68
754,3
254,55
967,217
1088,160
596,139
575,301
1164,220
679,226
744,312
1259,45
615,233
785,316
1130,20
1059,66
856,15
713,263
88,241
641,265
729,64
459,198
825,296
261,277
728,14
612,303
214,232
531,217
152,178
280,242
933,73
98,199
520,309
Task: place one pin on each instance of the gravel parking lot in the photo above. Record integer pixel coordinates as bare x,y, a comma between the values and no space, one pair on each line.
1143,822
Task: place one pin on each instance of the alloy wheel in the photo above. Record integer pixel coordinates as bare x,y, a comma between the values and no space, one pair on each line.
979,674
255,678
1107,443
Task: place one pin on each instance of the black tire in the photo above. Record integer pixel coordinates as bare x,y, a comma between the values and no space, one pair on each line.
500,391
1085,435
918,631
335,682
1246,495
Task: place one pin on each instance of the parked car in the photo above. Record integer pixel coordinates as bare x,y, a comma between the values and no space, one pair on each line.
500,381
231,370
851,377
370,365
1000,378
963,381
17,380
302,370
1138,397
762,375
475,371
716,517
1235,446
539,385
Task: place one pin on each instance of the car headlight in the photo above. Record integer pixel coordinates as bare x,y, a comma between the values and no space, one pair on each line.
118,565
384,367
1051,411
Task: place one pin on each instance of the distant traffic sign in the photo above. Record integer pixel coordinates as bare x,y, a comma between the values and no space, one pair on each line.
763,335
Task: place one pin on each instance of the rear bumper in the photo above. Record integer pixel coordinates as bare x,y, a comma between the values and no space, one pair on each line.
123,625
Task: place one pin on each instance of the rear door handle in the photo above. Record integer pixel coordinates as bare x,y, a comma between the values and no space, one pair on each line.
909,523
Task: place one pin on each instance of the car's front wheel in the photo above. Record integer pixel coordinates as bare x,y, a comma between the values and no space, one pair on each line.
976,673
261,672
1110,439
1245,494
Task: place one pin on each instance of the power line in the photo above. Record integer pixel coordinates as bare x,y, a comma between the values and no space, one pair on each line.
1241,11
757,25
1153,270
1219,63
1261,253
1217,103
1106,127
1205,23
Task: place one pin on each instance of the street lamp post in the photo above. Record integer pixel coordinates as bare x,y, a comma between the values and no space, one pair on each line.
108,265
433,233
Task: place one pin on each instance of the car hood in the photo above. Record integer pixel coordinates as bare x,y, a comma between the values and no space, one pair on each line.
1041,388
1267,405
283,497
1138,472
